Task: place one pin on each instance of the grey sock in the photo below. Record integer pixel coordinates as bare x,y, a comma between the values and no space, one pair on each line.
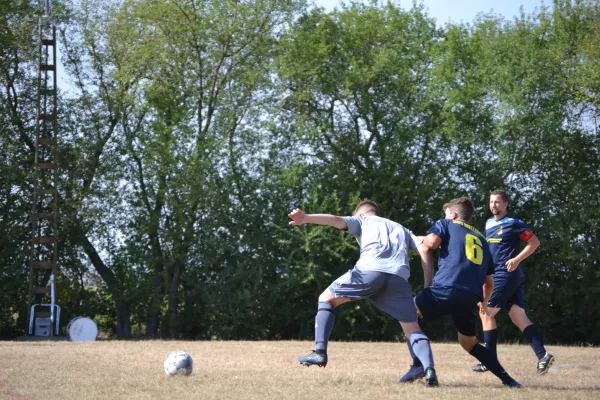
324,325
415,360
422,349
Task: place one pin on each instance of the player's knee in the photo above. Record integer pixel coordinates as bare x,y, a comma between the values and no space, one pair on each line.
516,310
487,317
326,296
493,311
467,342
521,321
409,328
517,315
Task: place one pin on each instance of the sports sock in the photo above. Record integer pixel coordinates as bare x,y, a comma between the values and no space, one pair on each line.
486,357
534,338
415,360
323,325
422,349
490,337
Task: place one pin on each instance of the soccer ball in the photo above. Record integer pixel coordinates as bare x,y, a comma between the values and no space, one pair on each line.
178,363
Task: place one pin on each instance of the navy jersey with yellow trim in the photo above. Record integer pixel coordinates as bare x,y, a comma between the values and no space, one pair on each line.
504,237
465,258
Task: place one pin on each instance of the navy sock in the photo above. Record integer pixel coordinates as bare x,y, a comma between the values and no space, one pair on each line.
415,360
490,337
422,349
535,341
486,357
324,325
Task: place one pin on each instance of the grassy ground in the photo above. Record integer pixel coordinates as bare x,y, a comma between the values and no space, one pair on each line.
267,370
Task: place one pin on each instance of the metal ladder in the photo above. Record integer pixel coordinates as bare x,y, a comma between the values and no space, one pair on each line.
44,213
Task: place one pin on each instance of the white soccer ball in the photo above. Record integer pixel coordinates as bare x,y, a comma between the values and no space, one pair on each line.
178,363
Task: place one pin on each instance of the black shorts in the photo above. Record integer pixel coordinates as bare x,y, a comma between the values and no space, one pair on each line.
435,302
508,290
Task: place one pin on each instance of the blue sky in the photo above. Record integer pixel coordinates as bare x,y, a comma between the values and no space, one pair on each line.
461,10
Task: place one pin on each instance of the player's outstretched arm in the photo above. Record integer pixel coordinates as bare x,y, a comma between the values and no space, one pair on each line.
298,217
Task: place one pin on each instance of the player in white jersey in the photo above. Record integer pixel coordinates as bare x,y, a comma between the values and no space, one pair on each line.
380,274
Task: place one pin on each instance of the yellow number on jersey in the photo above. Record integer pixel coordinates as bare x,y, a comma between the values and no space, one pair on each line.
473,249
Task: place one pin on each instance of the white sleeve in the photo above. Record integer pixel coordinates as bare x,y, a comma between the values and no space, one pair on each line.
354,225
413,241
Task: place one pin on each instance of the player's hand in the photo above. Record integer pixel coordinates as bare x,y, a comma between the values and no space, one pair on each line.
511,265
297,217
418,311
483,310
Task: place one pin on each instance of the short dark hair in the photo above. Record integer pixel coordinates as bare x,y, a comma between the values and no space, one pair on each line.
501,193
463,206
368,203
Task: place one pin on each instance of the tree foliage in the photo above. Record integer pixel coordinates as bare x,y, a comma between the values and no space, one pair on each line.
189,129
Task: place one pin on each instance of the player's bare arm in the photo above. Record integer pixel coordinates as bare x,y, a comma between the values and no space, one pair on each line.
298,217
432,241
426,263
532,244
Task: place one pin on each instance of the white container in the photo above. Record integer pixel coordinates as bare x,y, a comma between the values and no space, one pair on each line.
42,326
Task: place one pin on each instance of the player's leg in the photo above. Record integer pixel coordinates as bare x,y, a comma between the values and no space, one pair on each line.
324,321
488,321
326,318
519,318
420,349
490,336
353,285
505,285
430,306
465,316
485,357
395,299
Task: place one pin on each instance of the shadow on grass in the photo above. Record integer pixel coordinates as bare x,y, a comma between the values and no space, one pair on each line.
459,385
564,388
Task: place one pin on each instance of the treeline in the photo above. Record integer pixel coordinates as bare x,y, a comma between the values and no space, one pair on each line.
190,128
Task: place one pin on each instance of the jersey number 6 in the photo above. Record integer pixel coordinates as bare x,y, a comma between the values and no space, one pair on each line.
473,249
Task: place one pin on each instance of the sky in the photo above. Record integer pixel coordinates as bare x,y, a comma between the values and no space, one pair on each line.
461,10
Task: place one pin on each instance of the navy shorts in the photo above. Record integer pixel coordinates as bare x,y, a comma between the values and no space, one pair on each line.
508,290
390,293
435,302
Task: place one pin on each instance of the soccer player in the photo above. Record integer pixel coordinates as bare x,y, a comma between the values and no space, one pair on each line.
380,274
504,233
463,279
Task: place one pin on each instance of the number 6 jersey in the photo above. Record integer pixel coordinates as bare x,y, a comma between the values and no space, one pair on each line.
465,258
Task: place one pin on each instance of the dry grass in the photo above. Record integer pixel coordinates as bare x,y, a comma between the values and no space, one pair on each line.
267,370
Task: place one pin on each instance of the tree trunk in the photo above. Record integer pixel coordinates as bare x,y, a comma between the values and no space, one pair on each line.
123,314
158,293
175,271
123,321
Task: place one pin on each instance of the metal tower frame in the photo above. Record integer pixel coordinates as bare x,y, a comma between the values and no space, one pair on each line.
44,213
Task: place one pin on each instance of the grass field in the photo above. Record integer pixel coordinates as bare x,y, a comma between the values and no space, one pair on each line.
268,370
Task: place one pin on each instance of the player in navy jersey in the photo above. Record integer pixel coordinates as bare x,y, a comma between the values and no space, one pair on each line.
463,280
504,234
380,275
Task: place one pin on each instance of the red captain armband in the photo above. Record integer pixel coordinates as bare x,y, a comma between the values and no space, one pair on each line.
526,235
